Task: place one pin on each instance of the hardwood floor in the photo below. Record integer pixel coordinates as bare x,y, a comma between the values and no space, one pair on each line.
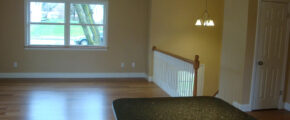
271,115
79,99
67,99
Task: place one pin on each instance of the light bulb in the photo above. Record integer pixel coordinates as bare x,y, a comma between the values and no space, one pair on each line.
198,22
205,23
210,23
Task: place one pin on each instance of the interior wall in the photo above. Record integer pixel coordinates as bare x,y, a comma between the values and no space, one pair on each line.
287,88
287,81
250,50
234,47
236,74
127,42
172,29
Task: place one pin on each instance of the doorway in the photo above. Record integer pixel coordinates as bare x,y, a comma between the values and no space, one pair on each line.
270,55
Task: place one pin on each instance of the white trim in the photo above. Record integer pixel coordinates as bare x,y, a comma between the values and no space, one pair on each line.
26,21
217,96
37,23
242,107
74,1
287,106
67,48
73,75
150,79
67,25
105,22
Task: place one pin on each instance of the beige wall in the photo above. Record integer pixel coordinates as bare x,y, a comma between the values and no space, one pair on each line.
287,84
127,42
171,29
250,50
234,49
238,51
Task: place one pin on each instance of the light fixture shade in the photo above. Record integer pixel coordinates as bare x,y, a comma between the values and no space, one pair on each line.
205,20
205,23
210,23
198,22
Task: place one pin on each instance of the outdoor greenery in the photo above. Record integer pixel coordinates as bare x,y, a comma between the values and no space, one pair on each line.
82,14
47,30
56,30
85,13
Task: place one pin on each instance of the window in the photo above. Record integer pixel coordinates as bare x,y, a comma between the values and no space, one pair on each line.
66,23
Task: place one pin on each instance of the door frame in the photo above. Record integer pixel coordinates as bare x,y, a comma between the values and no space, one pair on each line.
254,81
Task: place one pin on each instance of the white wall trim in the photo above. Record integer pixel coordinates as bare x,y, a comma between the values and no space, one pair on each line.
73,75
287,106
242,107
150,78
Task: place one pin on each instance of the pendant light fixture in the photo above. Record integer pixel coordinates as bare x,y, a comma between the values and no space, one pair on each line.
205,20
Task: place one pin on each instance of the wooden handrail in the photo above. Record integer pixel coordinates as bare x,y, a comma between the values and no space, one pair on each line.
173,55
196,65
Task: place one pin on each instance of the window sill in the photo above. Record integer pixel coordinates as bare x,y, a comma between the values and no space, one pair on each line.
73,48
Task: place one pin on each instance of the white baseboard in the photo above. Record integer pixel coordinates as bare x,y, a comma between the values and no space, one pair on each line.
73,75
150,78
287,106
242,107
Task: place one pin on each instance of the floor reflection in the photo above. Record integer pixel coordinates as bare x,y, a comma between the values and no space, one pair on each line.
88,107
54,105
47,106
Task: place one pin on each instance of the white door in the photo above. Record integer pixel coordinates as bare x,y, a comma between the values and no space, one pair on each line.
270,55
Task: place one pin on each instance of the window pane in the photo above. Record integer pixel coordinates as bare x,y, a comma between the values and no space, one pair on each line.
46,34
47,12
87,13
84,35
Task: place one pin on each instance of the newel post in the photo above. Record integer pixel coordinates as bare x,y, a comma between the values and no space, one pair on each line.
196,65
154,48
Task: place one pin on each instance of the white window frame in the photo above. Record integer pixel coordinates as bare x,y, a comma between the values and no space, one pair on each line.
67,24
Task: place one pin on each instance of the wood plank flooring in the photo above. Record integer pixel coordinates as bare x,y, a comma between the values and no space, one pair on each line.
68,99
271,115
79,99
